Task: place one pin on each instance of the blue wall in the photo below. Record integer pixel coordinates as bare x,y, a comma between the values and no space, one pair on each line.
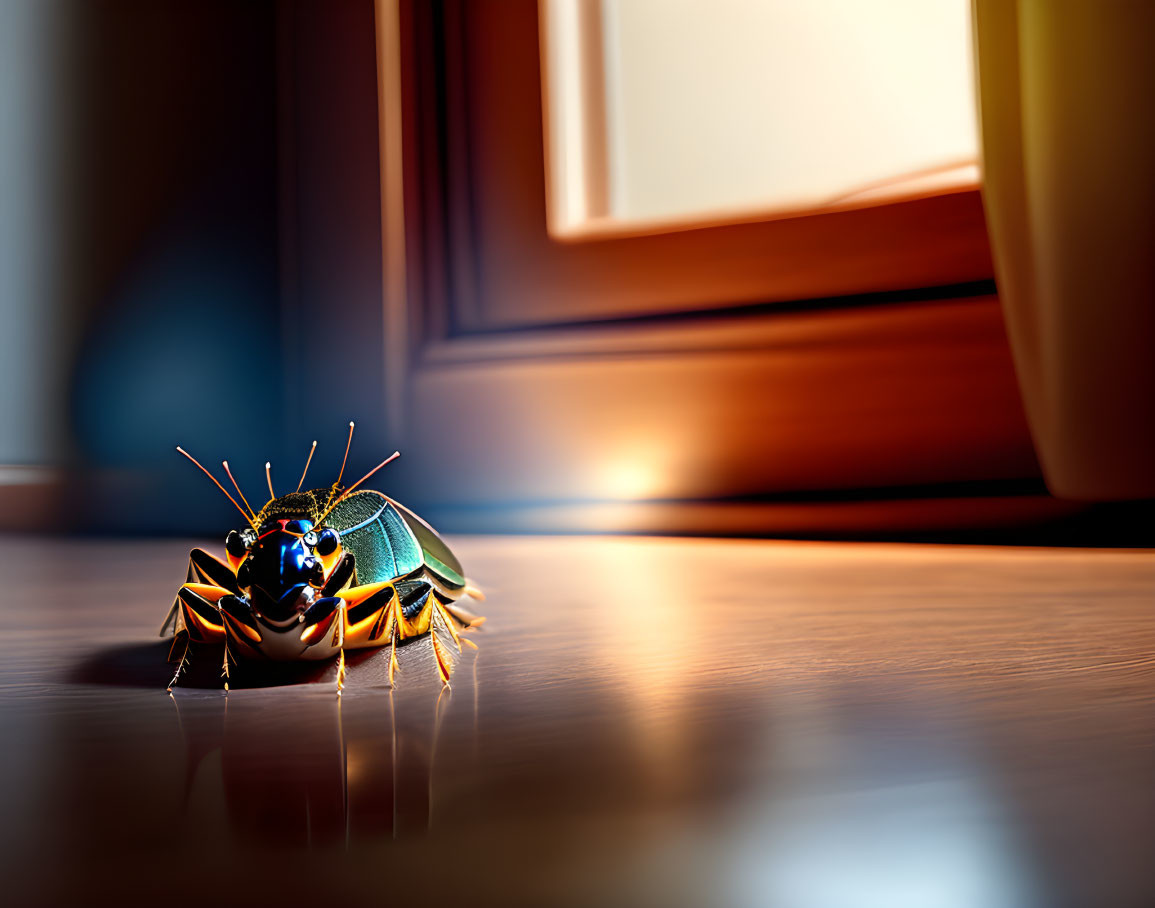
189,249
33,115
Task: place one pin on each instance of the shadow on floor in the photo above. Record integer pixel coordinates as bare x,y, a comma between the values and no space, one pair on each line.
147,665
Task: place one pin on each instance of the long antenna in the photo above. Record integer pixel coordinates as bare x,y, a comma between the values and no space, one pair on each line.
225,464
307,462
345,460
392,457
269,480
248,519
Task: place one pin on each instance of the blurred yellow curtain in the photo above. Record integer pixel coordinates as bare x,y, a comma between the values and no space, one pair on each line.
1068,143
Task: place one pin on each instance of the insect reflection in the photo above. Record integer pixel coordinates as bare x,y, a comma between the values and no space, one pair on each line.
298,767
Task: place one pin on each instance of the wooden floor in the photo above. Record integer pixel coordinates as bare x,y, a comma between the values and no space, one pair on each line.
647,722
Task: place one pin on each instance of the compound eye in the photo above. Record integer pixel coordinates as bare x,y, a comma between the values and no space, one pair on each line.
310,539
235,544
327,542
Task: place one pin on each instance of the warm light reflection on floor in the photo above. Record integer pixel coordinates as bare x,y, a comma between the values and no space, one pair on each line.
647,722
913,823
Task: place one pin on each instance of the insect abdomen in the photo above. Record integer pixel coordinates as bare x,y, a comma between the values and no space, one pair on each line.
379,539
390,541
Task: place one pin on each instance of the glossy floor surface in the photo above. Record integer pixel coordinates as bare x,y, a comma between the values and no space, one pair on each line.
646,722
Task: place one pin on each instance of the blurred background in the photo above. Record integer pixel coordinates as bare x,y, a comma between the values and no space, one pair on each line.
833,269
625,266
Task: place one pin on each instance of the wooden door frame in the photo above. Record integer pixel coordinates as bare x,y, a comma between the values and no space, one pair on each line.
928,354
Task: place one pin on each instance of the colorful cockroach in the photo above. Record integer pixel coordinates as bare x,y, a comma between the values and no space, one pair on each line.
318,572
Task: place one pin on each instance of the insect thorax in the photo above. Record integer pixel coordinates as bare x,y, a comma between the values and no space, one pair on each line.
297,506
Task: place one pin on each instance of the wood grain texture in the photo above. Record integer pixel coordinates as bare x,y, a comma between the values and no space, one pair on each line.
646,722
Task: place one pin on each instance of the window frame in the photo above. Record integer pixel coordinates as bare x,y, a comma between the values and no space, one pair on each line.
485,357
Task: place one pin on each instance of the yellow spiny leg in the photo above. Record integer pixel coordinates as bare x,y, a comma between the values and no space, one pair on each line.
370,604
435,618
453,615
447,619
341,671
428,617
464,617
225,665
183,658
393,629
444,666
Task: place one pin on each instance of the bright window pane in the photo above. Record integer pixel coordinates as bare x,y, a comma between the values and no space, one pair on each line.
667,111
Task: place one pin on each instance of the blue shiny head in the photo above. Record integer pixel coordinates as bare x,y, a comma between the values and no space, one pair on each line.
281,574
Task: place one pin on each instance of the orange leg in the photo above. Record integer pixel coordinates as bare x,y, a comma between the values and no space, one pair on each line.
441,618
183,657
197,620
203,569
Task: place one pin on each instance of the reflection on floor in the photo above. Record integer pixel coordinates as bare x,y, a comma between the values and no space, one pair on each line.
646,722
305,769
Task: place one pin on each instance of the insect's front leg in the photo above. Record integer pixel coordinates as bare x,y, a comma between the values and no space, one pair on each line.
203,570
322,627
183,661
328,612
197,619
370,618
241,631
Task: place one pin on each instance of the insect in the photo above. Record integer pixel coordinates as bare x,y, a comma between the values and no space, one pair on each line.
314,573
